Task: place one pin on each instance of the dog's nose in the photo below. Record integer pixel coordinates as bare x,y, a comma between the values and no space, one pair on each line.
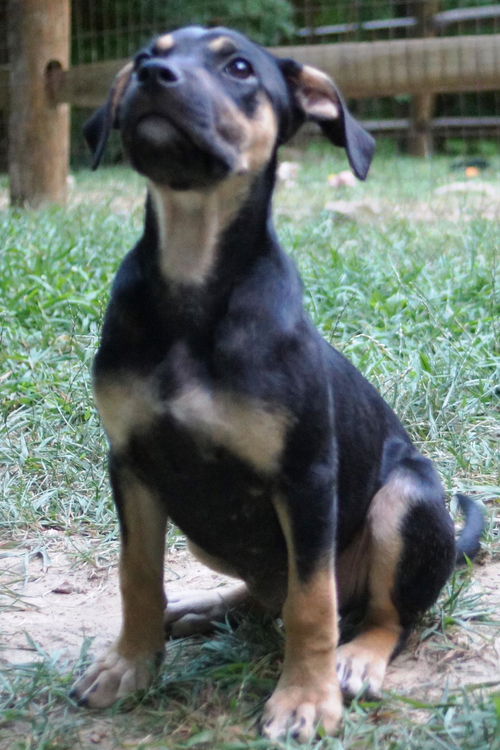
158,73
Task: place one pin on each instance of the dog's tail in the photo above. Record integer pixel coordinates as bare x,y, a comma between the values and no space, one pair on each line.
469,541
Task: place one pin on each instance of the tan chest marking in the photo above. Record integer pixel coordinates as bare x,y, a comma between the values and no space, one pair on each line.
190,224
244,426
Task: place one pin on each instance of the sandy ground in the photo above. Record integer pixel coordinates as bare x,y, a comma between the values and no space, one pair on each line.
59,601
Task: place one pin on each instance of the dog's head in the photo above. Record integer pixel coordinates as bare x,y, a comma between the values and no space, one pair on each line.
201,104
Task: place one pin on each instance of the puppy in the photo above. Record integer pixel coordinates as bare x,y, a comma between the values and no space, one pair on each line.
226,411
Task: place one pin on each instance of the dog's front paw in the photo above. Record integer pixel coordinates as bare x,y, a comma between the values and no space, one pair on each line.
298,711
113,677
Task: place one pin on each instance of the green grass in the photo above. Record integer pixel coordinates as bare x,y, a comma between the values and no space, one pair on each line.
209,694
409,296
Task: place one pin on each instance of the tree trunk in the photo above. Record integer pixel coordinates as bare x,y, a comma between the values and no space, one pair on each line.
39,33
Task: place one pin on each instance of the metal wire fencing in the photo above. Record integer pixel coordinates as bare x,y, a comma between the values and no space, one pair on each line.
456,122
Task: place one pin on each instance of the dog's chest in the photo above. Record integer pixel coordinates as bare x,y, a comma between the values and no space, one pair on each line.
247,427
212,456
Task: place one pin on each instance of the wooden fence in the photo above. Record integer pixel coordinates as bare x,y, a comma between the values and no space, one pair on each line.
436,21
42,85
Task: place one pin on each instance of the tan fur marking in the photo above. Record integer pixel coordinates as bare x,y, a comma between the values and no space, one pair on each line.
245,426
385,516
308,690
352,568
141,570
130,663
316,94
310,611
310,617
120,84
190,224
125,404
378,544
263,134
254,137
363,661
222,44
165,43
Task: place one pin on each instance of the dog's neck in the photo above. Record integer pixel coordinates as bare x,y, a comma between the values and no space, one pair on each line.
190,226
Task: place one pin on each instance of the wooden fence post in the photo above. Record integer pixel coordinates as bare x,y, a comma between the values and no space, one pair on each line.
39,42
422,105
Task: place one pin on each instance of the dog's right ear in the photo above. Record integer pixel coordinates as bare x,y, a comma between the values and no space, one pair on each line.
96,130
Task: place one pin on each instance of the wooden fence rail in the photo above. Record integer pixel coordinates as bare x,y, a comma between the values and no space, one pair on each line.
42,86
440,21
361,69
407,66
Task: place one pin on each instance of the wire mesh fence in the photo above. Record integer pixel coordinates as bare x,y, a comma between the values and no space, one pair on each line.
107,29
465,122
104,29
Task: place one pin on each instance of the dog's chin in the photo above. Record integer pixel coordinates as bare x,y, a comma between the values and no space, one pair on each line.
168,156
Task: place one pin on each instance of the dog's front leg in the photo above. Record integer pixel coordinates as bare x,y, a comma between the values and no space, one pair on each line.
308,692
130,663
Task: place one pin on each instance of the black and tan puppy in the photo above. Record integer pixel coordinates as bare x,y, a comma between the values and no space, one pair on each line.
229,414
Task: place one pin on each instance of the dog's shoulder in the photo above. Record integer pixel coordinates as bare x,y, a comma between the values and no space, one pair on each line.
265,341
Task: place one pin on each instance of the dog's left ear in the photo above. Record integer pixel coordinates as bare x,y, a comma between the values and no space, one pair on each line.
97,129
318,99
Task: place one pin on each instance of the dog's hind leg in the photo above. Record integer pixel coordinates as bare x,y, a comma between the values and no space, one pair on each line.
193,612
411,553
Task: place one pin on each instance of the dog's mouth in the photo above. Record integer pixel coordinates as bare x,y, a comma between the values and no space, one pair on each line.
155,131
169,153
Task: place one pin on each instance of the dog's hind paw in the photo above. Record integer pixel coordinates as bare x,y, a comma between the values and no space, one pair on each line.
298,712
199,611
361,668
112,678
194,613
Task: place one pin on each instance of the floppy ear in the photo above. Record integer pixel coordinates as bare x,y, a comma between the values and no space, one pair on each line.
96,130
318,99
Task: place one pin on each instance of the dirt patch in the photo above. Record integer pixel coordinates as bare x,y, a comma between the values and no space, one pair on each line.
58,602
470,655
51,596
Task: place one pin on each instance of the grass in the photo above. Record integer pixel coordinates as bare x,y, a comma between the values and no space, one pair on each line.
407,291
208,696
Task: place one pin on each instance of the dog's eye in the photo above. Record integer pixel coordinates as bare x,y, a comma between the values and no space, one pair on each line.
239,68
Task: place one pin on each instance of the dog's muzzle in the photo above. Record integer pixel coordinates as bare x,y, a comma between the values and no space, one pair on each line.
167,120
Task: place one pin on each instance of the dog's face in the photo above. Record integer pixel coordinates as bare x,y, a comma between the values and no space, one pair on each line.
199,105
